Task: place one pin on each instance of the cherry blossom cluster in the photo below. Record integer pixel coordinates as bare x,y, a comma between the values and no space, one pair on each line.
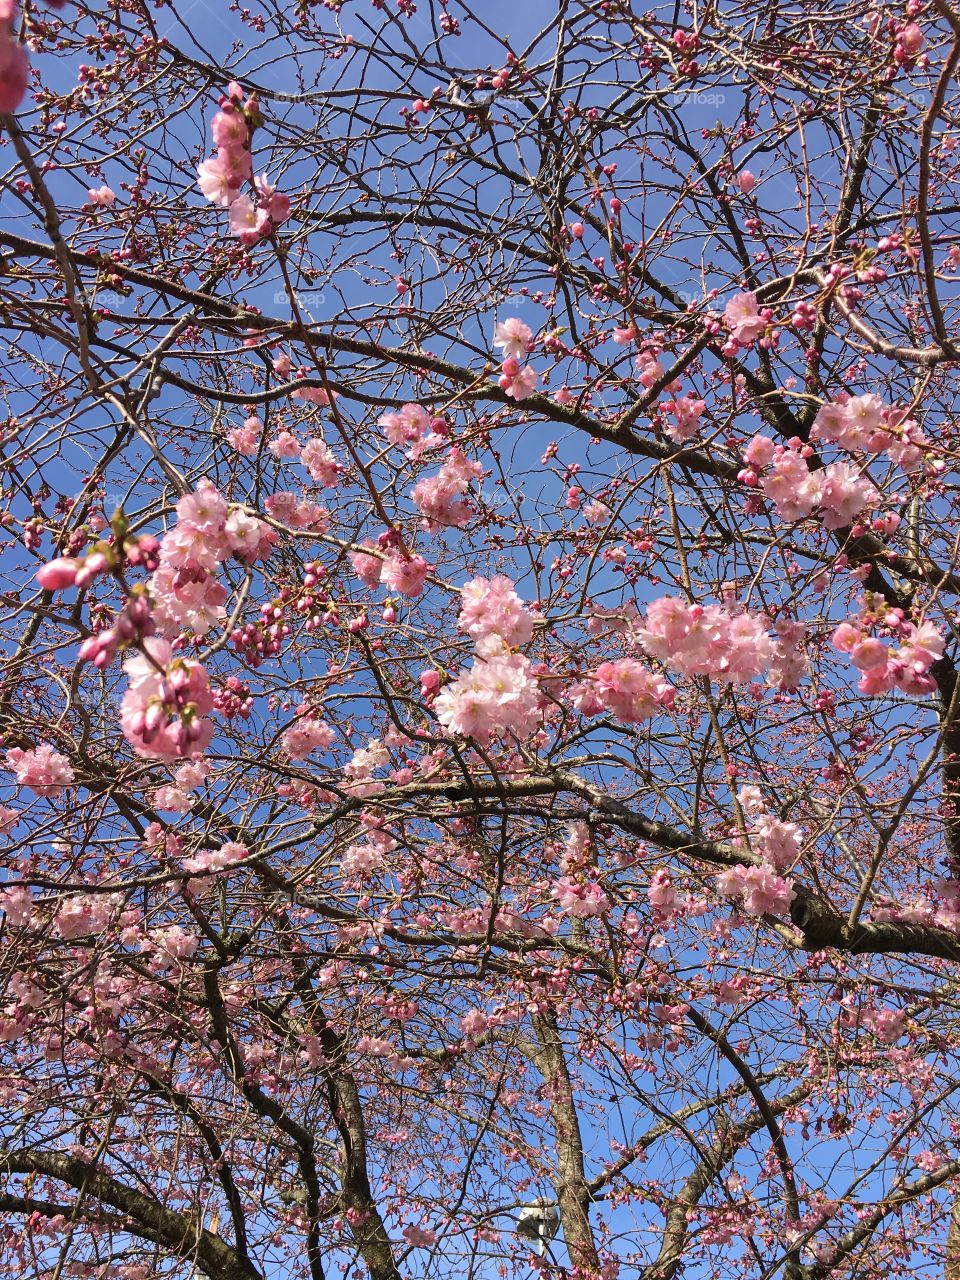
367,855
45,771
580,898
515,340
882,668
306,734
498,693
763,892
745,320
415,429
626,688
576,891
392,567
687,410
865,424
440,497
778,843
221,179
839,490
184,589
163,711
707,640
176,797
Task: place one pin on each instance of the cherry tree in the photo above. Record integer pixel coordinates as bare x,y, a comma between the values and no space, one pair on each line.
480,715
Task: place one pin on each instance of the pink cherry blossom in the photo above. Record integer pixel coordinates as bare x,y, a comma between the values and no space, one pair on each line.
519,384
163,712
285,445
764,892
368,568
742,317
491,606
581,899
14,70
320,462
246,439
687,410
631,691
305,735
404,574
697,640
103,197
44,770
496,695
513,337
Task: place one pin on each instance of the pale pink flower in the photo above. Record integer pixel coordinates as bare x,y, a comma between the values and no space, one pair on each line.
687,410
186,596
273,203
368,568
163,712
581,899
243,220
404,574
320,462
218,182
742,317
171,799
778,842
764,892
419,1237
249,537
306,735
845,494
85,914
791,486
491,606
17,906
513,337
102,197
760,451
661,894
520,385
204,510
45,771
229,129
192,774
284,445
439,497
494,696
474,1023
407,426
707,640
631,691
246,439
174,943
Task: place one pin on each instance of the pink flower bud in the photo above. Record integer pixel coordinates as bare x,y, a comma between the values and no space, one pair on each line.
58,574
